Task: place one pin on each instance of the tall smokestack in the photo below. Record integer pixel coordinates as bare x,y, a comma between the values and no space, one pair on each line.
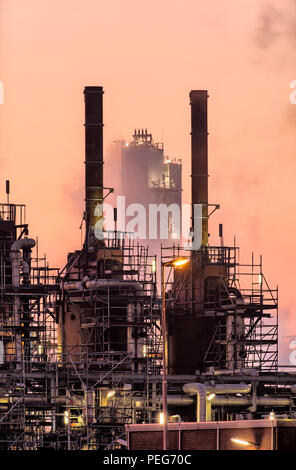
93,98
199,157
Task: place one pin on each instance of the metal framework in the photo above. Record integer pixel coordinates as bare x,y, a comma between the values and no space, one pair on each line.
55,396
243,305
81,396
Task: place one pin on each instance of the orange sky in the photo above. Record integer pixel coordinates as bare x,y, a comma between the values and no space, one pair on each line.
148,56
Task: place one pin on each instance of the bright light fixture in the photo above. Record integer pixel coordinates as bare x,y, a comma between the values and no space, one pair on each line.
240,441
66,417
211,396
111,394
153,266
243,442
180,262
176,418
161,418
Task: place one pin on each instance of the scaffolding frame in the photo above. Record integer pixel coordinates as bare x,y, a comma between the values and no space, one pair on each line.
81,398
244,297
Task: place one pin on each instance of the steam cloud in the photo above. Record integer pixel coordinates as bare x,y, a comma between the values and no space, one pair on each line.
276,23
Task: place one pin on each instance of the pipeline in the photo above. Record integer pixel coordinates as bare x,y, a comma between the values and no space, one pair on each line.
25,244
248,401
229,388
17,246
203,410
201,399
101,283
172,400
252,372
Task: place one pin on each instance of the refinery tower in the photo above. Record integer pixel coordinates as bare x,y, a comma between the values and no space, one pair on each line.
148,177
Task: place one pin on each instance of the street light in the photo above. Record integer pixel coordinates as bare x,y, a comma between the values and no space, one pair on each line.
175,263
244,443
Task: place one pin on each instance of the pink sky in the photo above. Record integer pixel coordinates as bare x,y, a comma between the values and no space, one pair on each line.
148,56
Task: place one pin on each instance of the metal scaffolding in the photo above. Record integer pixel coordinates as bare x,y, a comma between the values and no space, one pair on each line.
238,299
81,356
54,395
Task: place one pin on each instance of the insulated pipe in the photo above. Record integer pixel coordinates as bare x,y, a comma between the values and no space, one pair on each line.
33,399
73,285
242,371
179,400
112,283
23,243
173,400
96,283
248,401
228,388
17,246
203,405
26,267
201,398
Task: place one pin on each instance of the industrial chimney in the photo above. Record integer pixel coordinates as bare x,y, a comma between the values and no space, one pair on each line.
93,98
199,157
